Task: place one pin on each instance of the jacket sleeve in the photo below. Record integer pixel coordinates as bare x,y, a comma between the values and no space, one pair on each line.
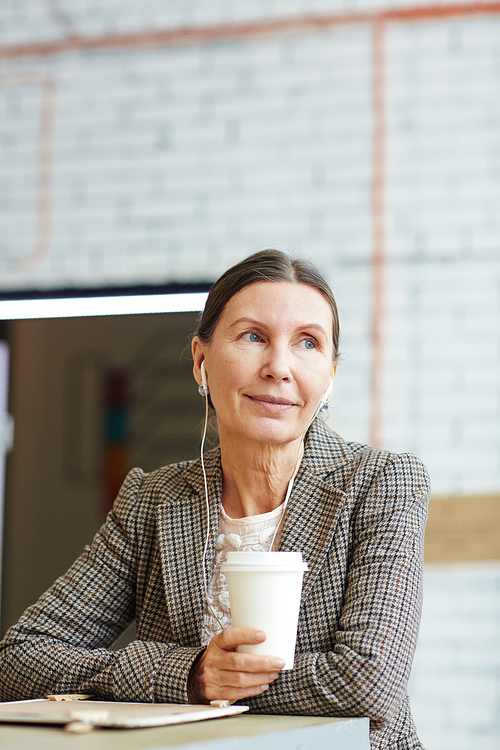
62,643
365,672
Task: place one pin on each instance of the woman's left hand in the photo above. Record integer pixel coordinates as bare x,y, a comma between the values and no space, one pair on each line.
222,673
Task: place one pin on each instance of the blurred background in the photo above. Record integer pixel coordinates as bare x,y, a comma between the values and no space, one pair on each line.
151,145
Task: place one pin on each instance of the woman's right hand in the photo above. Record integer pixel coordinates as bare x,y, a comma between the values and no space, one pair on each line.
221,673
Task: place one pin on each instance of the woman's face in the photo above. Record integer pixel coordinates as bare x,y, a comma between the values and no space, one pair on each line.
269,362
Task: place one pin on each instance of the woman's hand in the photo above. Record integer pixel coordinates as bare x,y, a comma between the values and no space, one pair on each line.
222,673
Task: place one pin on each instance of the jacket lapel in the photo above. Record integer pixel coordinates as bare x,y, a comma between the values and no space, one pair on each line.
318,502
182,524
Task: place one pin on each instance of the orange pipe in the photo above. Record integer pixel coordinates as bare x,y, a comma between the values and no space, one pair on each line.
378,232
44,163
224,32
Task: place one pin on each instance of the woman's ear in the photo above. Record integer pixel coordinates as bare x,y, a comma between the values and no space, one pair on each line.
198,352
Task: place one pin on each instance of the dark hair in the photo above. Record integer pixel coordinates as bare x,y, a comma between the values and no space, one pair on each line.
266,265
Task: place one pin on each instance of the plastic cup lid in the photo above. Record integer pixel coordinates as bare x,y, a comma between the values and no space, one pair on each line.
255,561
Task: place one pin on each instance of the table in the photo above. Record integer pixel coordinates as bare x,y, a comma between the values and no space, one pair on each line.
242,732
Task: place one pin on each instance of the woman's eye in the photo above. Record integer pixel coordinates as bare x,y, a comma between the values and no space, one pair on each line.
308,344
253,337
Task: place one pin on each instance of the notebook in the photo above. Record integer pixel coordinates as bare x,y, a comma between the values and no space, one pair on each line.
91,713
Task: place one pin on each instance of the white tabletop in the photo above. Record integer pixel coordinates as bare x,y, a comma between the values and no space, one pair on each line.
243,732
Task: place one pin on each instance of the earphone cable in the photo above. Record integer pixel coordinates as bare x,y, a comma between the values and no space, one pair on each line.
298,460
289,490
207,537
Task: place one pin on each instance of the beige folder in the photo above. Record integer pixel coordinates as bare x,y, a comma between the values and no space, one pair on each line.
84,715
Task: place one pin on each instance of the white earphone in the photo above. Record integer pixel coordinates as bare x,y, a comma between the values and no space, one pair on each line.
323,404
203,388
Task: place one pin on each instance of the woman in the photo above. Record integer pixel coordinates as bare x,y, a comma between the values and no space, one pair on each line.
265,354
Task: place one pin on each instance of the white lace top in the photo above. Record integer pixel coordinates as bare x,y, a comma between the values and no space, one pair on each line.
250,534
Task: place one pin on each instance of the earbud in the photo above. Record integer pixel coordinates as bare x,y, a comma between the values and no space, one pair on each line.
323,404
203,388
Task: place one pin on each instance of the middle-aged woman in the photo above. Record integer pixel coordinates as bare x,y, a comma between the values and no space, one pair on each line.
265,353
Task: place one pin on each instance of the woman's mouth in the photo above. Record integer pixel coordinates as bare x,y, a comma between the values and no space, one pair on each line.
272,403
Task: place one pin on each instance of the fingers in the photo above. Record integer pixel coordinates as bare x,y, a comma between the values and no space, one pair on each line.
230,638
222,650
231,694
209,681
231,685
251,664
224,673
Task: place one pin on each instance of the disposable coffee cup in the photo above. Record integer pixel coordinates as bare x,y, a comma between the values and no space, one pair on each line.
264,593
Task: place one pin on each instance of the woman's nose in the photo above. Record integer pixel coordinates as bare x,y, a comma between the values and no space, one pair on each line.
277,363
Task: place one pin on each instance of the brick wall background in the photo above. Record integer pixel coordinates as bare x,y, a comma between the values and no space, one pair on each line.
454,685
141,163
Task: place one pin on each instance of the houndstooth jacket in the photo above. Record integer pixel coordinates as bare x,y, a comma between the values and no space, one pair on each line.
356,513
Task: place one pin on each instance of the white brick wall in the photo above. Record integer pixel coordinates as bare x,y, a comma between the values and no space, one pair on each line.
455,681
171,164
442,388
210,151
444,110
19,116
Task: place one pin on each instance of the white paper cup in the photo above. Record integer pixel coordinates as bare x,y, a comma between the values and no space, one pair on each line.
264,593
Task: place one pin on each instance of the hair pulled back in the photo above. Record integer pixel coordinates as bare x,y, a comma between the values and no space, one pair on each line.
266,265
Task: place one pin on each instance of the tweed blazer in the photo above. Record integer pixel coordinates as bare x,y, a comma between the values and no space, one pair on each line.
356,513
